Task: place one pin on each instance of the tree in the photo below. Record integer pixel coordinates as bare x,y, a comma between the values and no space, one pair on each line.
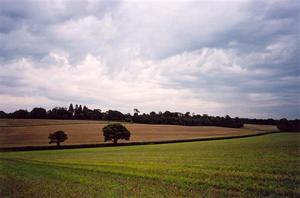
3,114
285,125
59,113
187,114
57,137
38,112
96,115
114,115
152,114
85,109
136,112
71,109
80,109
113,132
20,114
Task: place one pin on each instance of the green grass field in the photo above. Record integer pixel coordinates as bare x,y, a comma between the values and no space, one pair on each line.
249,167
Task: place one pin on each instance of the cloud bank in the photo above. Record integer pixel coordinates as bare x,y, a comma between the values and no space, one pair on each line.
223,57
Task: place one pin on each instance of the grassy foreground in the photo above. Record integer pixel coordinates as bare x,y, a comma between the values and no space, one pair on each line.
249,167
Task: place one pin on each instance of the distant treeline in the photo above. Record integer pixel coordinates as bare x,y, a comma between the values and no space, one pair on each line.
269,121
79,112
282,124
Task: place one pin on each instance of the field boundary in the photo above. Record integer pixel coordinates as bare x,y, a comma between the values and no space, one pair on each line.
37,148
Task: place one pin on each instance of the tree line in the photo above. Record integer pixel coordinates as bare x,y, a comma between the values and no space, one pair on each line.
79,112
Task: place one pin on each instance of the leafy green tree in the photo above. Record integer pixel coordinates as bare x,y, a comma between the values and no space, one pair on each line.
114,132
57,137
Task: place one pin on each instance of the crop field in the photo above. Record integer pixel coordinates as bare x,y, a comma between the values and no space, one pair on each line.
248,167
22,132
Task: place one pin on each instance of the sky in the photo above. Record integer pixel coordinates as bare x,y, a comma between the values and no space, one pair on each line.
239,58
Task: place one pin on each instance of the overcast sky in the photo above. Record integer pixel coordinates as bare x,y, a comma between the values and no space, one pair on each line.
217,57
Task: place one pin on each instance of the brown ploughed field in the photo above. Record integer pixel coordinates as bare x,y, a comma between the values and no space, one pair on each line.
27,132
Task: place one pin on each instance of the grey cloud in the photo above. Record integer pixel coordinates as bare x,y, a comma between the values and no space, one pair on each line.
277,9
48,12
219,55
